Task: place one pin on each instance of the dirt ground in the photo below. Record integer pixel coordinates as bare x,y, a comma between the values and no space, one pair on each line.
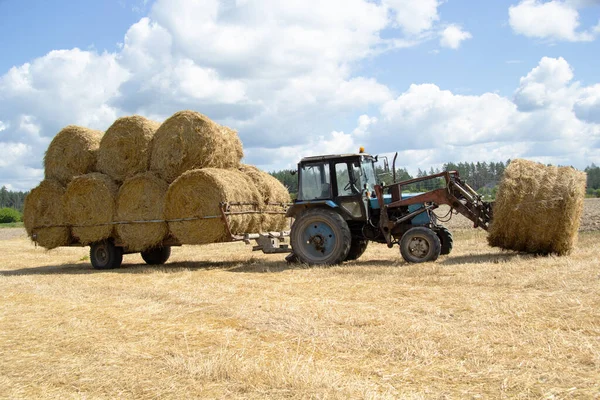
220,321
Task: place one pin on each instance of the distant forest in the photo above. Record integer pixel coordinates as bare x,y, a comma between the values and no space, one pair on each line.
12,199
481,176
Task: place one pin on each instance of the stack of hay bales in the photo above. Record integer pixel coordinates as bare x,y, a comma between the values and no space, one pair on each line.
538,208
125,183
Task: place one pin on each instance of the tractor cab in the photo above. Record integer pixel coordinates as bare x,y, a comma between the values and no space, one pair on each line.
343,181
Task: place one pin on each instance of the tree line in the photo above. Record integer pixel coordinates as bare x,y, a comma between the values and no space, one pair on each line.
481,176
10,199
484,177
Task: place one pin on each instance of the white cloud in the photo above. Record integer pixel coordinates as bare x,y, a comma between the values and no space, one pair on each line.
587,105
442,126
452,36
546,85
552,20
414,17
288,75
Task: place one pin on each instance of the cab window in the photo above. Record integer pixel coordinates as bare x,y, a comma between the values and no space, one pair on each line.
315,182
348,178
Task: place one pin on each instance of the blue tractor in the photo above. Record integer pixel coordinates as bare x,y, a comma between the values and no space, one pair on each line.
341,207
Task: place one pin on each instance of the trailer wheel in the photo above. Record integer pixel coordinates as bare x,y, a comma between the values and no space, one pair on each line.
320,237
445,238
105,255
357,248
156,256
420,245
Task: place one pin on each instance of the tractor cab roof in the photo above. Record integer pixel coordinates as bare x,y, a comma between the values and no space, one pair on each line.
333,157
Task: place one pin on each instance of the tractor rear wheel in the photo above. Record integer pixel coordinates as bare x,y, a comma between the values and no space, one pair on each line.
445,238
320,237
420,245
105,255
357,248
157,255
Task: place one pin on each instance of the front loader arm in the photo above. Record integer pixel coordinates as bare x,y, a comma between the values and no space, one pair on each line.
456,194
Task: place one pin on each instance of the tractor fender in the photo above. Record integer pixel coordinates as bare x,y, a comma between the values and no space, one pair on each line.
300,206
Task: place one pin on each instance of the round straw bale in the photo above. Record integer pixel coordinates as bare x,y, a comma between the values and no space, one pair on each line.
72,152
272,193
538,208
190,140
43,215
199,193
125,147
142,198
89,207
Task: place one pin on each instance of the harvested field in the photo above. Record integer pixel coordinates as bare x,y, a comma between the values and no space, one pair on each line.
219,321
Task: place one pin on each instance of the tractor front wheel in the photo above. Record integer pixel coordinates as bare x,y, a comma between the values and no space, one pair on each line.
357,248
446,239
420,245
320,237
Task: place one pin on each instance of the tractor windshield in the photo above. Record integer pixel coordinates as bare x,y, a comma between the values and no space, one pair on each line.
315,182
368,174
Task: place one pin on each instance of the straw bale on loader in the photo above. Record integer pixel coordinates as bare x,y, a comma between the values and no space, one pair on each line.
125,147
538,208
89,207
199,193
43,215
72,152
189,140
141,198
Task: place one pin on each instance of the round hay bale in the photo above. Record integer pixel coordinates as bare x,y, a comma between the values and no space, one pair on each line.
538,208
189,140
43,215
89,207
271,191
72,152
142,198
198,193
125,147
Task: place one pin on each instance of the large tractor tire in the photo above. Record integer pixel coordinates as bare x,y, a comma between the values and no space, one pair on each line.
446,239
320,237
157,256
105,255
419,245
357,248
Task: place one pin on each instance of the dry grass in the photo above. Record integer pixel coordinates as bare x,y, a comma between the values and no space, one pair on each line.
219,321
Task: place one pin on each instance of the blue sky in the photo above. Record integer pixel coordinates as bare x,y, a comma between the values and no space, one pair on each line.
438,81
